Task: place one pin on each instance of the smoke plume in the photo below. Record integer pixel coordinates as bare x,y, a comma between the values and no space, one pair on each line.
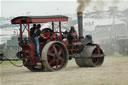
82,5
99,4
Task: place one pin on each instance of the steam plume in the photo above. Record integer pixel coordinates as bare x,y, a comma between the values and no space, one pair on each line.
82,5
99,3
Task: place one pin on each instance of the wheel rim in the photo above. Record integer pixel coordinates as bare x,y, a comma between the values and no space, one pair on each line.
97,60
56,56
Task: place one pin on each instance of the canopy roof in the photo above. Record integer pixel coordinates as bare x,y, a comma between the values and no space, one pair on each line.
38,19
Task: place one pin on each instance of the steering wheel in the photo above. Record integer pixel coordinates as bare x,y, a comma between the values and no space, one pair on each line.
46,33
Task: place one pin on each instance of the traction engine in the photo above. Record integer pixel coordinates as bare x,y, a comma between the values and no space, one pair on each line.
56,47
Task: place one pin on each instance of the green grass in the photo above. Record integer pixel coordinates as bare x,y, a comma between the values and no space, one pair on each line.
8,63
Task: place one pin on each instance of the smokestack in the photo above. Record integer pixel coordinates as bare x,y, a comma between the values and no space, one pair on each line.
80,24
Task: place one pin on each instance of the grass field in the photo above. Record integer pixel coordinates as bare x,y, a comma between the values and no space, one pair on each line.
8,63
114,71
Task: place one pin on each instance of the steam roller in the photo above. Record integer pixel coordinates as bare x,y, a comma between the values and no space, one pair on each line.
57,46
91,55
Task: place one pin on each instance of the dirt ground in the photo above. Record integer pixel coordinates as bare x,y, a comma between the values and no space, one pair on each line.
114,71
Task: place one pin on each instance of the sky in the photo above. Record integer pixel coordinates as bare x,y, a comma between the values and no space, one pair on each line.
10,8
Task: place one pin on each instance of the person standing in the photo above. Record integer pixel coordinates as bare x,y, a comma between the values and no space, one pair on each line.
32,30
36,36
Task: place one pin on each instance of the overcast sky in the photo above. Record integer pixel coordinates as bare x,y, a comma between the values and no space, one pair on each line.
49,7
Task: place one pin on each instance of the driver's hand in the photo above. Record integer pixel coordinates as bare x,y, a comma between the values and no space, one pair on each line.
43,36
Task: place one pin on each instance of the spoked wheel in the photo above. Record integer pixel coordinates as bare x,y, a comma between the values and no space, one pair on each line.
96,59
55,56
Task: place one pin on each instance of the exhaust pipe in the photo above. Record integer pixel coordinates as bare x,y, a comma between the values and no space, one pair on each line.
80,24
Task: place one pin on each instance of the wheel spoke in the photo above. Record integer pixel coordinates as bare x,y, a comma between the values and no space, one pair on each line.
60,51
51,54
52,61
55,50
61,60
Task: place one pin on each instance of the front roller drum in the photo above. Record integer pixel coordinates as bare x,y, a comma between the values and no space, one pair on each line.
55,56
92,61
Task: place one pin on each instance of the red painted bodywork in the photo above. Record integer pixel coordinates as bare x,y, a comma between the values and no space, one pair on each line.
21,31
28,30
28,48
60,30
38,19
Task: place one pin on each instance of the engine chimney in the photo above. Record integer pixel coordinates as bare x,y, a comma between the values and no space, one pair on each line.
80,24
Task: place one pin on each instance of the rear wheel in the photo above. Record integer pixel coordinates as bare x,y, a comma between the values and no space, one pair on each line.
92,61
55,56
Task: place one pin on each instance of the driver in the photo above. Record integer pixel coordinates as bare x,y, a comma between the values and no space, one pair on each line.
32,30
36,36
